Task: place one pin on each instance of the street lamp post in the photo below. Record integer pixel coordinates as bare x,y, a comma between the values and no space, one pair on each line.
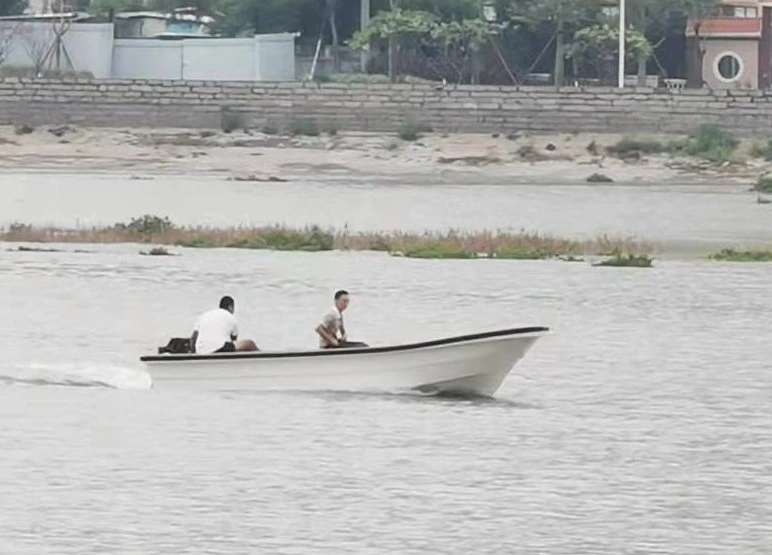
364,19
622,44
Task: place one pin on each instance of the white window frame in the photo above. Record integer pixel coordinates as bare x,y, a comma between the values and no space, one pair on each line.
717,73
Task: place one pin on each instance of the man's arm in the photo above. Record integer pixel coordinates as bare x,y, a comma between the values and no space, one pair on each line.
193,339
234,331
326,335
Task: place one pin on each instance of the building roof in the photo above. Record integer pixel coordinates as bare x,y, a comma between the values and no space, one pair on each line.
176,15
67,16
729,27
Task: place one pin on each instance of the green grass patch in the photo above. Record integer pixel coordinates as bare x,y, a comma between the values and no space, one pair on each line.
519,253
194,242
311,239
732,255
439,252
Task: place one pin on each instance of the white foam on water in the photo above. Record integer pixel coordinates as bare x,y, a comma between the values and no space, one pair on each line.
76,374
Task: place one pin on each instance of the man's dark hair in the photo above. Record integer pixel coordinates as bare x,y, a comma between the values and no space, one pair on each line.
226,303
339,294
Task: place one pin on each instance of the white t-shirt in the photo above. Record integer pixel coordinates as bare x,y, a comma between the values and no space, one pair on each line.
215,328
333,321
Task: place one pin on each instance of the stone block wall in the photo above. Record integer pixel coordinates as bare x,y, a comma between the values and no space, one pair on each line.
381,108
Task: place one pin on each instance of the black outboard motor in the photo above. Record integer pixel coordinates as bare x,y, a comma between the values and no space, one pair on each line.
177,346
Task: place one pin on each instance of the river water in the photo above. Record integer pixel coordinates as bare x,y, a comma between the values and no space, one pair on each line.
641,425
673,214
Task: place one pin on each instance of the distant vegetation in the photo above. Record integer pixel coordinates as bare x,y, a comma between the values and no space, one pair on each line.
630,146
732,255
29,72
147,225
762,151
306,127
157,251
763,184
619,260
231,120
450,245
710,142
411,130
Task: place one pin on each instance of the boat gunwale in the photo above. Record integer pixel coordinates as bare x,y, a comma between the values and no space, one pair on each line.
344,352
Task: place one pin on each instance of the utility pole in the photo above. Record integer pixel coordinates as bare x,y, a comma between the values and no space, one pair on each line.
364,20
622,30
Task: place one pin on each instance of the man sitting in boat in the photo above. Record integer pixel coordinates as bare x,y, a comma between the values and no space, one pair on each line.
332,332
217,331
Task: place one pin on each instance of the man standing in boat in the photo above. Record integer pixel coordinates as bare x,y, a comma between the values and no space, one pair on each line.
332,332
217,331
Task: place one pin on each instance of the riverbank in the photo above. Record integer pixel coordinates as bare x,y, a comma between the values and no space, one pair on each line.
261,156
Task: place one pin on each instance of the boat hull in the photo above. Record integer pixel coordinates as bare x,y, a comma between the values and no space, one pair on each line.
468,366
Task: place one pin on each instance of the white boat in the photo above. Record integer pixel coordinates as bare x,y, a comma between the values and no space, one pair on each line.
470,365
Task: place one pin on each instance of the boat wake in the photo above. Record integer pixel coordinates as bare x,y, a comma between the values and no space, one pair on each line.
86,374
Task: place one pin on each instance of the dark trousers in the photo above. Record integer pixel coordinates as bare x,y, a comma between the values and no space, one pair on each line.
349,345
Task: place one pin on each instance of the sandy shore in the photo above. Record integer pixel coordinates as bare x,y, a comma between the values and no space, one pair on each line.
461,159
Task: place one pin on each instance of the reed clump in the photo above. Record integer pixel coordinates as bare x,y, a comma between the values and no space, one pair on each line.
504,245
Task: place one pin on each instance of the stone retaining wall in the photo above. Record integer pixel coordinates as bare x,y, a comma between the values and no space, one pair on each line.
361,107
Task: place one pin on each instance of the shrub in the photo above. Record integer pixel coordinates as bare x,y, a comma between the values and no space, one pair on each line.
628,146
304,126
148,225
270,129
281,238
619,260
711,143
231,120
760,151
763,184
732,255
410,130
157,251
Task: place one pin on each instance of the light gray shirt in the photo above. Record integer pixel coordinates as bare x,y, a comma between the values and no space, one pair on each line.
333,322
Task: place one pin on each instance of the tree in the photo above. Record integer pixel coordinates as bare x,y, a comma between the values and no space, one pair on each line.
657,19
562,16
594,46
446,10
467,37
12,7
37,45
394,26
9,33
696,11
